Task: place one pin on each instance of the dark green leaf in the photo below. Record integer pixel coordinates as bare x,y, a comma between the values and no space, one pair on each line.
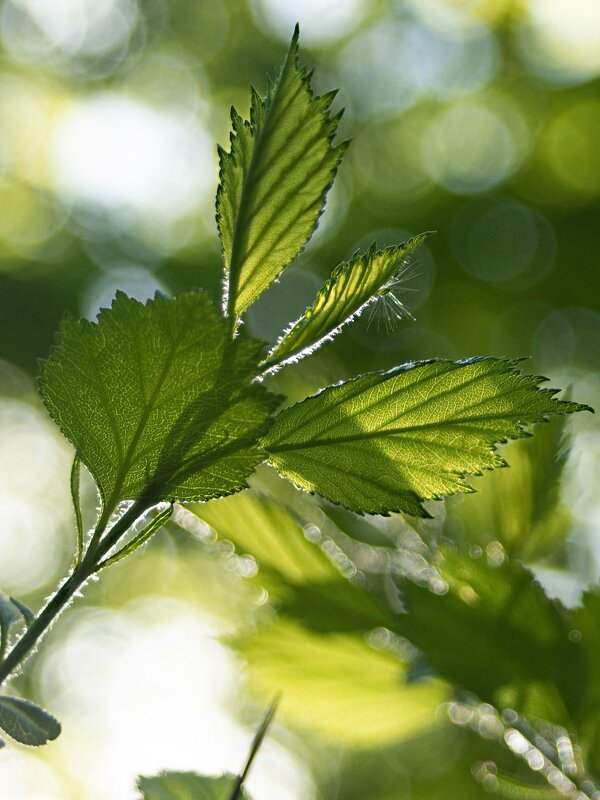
188,786
157,399
386,441
27,723
274,181
493,631
9,611
352,285
24,610
585,631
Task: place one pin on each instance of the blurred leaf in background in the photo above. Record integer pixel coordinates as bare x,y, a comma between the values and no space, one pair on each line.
188,786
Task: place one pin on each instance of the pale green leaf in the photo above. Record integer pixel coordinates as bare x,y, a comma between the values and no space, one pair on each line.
386,441
352,285
273,181
157,399
188,786
339,686
298,574
266,530
27,723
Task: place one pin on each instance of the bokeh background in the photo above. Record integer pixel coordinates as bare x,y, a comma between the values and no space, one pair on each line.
478,119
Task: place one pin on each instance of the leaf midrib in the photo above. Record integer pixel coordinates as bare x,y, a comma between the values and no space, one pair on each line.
357,437
353,389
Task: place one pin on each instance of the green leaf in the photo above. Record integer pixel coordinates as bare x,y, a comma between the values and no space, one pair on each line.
9,611
490,629
27,723
339,686
157,399
281,549
335,684
302,578
274,180
386,441
585,630
537,526
352,285
188,786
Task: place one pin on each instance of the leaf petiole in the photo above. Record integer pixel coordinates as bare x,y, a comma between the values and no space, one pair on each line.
75,473
147,531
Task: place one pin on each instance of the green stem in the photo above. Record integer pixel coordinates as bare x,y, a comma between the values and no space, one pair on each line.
268,364
41,623
75,475
67,590
3,639
120,527
138,540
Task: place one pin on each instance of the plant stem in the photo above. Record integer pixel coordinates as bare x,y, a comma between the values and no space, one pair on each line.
254,748
84,570
41,623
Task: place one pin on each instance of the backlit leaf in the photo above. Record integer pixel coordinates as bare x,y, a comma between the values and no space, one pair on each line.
27,723
339,686
386,441
274,180
267,531
537,526
344,296
302,578
157,400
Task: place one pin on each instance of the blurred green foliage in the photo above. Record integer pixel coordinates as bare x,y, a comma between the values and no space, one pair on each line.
477,120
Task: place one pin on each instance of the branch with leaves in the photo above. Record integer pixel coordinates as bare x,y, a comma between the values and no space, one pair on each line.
166,401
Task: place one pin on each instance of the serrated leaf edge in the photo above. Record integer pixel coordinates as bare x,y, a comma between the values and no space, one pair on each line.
257,101
463,486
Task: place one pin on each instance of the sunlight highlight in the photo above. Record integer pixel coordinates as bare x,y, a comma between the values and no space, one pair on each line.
131,159
158,664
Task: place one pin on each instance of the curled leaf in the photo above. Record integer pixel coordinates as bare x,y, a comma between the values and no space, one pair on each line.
27,723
